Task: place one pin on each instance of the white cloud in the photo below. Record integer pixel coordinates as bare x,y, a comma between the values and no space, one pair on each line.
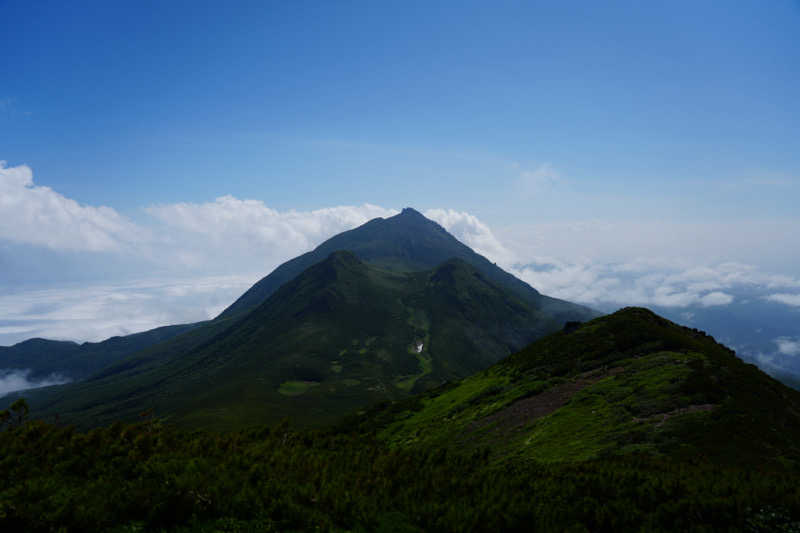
788,346
590,261
247,232
785,298
770,244
96,312
15,380
472,232
716,298
649,281
40,216
228,234
252,221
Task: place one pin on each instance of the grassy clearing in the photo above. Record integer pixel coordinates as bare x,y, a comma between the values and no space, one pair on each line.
426,423
296,388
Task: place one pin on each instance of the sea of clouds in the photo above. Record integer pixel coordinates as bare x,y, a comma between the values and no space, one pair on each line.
200,256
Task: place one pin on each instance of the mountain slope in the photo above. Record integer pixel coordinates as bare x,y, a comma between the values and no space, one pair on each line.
625,383
339,336
78,361
626,423
406,242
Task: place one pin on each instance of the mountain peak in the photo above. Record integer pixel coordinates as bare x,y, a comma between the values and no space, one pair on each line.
411,212
405,242
411,218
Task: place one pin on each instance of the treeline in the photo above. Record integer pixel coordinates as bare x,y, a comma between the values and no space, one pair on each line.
148,477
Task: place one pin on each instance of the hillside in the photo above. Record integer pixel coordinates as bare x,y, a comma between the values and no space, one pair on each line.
625,423
407,242
402,246
78,361
340,336
627,383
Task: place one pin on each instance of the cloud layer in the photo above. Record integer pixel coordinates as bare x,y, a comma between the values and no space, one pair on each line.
788,346
14,380
98,311
472,232
786,298
665,283
40,216
203,255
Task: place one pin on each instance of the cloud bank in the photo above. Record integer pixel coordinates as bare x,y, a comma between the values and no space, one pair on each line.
15,380
472,232
785,298
652,281
788,346
96,312
203,255
40,216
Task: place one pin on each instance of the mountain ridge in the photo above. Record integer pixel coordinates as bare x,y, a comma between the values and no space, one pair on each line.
77,361
626,383
337,337
405,242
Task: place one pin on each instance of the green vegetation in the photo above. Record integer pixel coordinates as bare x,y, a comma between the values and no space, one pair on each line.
148,477
425,366
78,361
626,423
296,388
341,319
411,280
631,382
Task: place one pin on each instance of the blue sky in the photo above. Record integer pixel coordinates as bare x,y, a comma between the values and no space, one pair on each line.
305,105
571,141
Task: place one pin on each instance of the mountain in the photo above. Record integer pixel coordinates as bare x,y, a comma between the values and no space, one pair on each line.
406,242
341,335
627,383
78,361
253,347
625,423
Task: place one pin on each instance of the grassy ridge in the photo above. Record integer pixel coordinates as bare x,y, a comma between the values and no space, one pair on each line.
626,383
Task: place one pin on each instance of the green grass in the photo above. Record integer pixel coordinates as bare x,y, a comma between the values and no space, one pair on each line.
296,388
633,383
601,419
